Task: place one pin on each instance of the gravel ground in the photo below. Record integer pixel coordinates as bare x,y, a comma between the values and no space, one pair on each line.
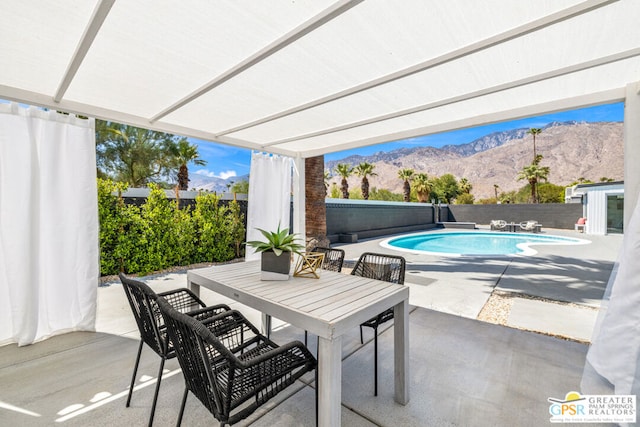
114,278
498,308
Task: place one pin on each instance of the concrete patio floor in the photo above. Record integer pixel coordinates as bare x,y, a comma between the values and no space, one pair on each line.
464,372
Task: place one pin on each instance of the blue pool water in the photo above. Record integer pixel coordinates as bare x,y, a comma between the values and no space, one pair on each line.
475,243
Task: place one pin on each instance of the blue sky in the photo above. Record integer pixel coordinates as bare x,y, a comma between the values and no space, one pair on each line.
225,161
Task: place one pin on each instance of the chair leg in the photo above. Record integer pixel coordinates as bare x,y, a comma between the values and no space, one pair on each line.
184,402
361,340
306,334
375,362
135,371
155,396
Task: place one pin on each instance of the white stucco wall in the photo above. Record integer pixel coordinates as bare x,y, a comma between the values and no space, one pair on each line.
596,207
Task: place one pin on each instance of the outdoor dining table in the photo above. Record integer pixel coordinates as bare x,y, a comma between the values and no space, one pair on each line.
327,307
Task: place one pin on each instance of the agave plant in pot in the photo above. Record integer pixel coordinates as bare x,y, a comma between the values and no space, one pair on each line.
276,252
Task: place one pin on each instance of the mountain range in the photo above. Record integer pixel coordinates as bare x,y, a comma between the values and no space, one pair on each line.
213,183
572,150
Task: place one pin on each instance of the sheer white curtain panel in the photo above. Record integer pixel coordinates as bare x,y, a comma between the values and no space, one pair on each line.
613,359
49,264
269,196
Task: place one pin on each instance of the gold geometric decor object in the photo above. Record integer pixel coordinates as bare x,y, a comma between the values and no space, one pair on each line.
308,264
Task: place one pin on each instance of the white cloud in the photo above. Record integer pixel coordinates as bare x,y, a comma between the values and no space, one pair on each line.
205,173
212,174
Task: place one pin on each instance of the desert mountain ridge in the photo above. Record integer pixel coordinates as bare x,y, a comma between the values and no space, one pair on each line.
571,150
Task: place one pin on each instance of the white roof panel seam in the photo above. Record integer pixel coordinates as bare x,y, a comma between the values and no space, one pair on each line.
503,37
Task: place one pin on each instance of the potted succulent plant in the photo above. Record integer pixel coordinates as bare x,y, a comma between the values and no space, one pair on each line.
276,253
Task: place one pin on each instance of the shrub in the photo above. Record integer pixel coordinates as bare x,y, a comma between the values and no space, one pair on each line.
464,199
110,212
213,236
159,234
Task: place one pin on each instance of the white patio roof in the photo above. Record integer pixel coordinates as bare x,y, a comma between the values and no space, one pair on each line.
308,77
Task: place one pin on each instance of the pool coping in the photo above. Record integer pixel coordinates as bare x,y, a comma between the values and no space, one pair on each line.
526,249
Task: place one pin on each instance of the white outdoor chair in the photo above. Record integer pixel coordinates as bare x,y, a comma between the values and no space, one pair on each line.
498,225
529,226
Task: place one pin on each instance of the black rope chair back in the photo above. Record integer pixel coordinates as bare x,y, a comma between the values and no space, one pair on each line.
229,366
143,302
389,268
146,314
333,258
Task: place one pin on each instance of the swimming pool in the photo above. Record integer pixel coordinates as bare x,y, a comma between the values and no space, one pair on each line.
477,243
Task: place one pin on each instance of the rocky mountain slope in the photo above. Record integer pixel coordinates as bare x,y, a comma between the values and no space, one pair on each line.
571,150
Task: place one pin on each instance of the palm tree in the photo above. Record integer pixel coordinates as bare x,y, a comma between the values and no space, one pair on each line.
422,185
315,209
533,173
344,170
495,191
363,170
465,185
327,177
186,153
534,132
133,155
405,175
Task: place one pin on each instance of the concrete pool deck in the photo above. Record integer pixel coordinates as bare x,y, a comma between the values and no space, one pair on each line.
556,291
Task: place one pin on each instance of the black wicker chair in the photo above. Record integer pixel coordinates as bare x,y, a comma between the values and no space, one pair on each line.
333,258
389,268
229,366
151,324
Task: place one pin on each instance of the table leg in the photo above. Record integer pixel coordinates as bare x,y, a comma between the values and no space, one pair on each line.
266,325
192,286
329,381
401,351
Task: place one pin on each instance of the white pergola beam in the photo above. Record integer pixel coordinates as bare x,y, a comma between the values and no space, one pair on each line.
37,99
471,95
462,52
305,28
583,101
98,17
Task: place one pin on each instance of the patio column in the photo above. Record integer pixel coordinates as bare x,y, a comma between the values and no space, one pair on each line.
631,150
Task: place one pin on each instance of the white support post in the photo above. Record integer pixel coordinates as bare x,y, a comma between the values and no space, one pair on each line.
631,150
299,225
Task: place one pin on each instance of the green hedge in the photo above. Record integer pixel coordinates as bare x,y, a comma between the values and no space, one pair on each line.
158,235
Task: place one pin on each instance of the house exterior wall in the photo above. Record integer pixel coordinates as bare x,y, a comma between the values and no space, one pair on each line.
596,207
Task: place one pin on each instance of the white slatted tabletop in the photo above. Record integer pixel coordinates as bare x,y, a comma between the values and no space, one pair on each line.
327,307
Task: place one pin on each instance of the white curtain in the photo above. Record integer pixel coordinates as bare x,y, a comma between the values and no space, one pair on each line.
269,196
49,263
613,359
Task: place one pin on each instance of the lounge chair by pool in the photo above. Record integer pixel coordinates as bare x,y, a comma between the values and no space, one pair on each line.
530,226
498,224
